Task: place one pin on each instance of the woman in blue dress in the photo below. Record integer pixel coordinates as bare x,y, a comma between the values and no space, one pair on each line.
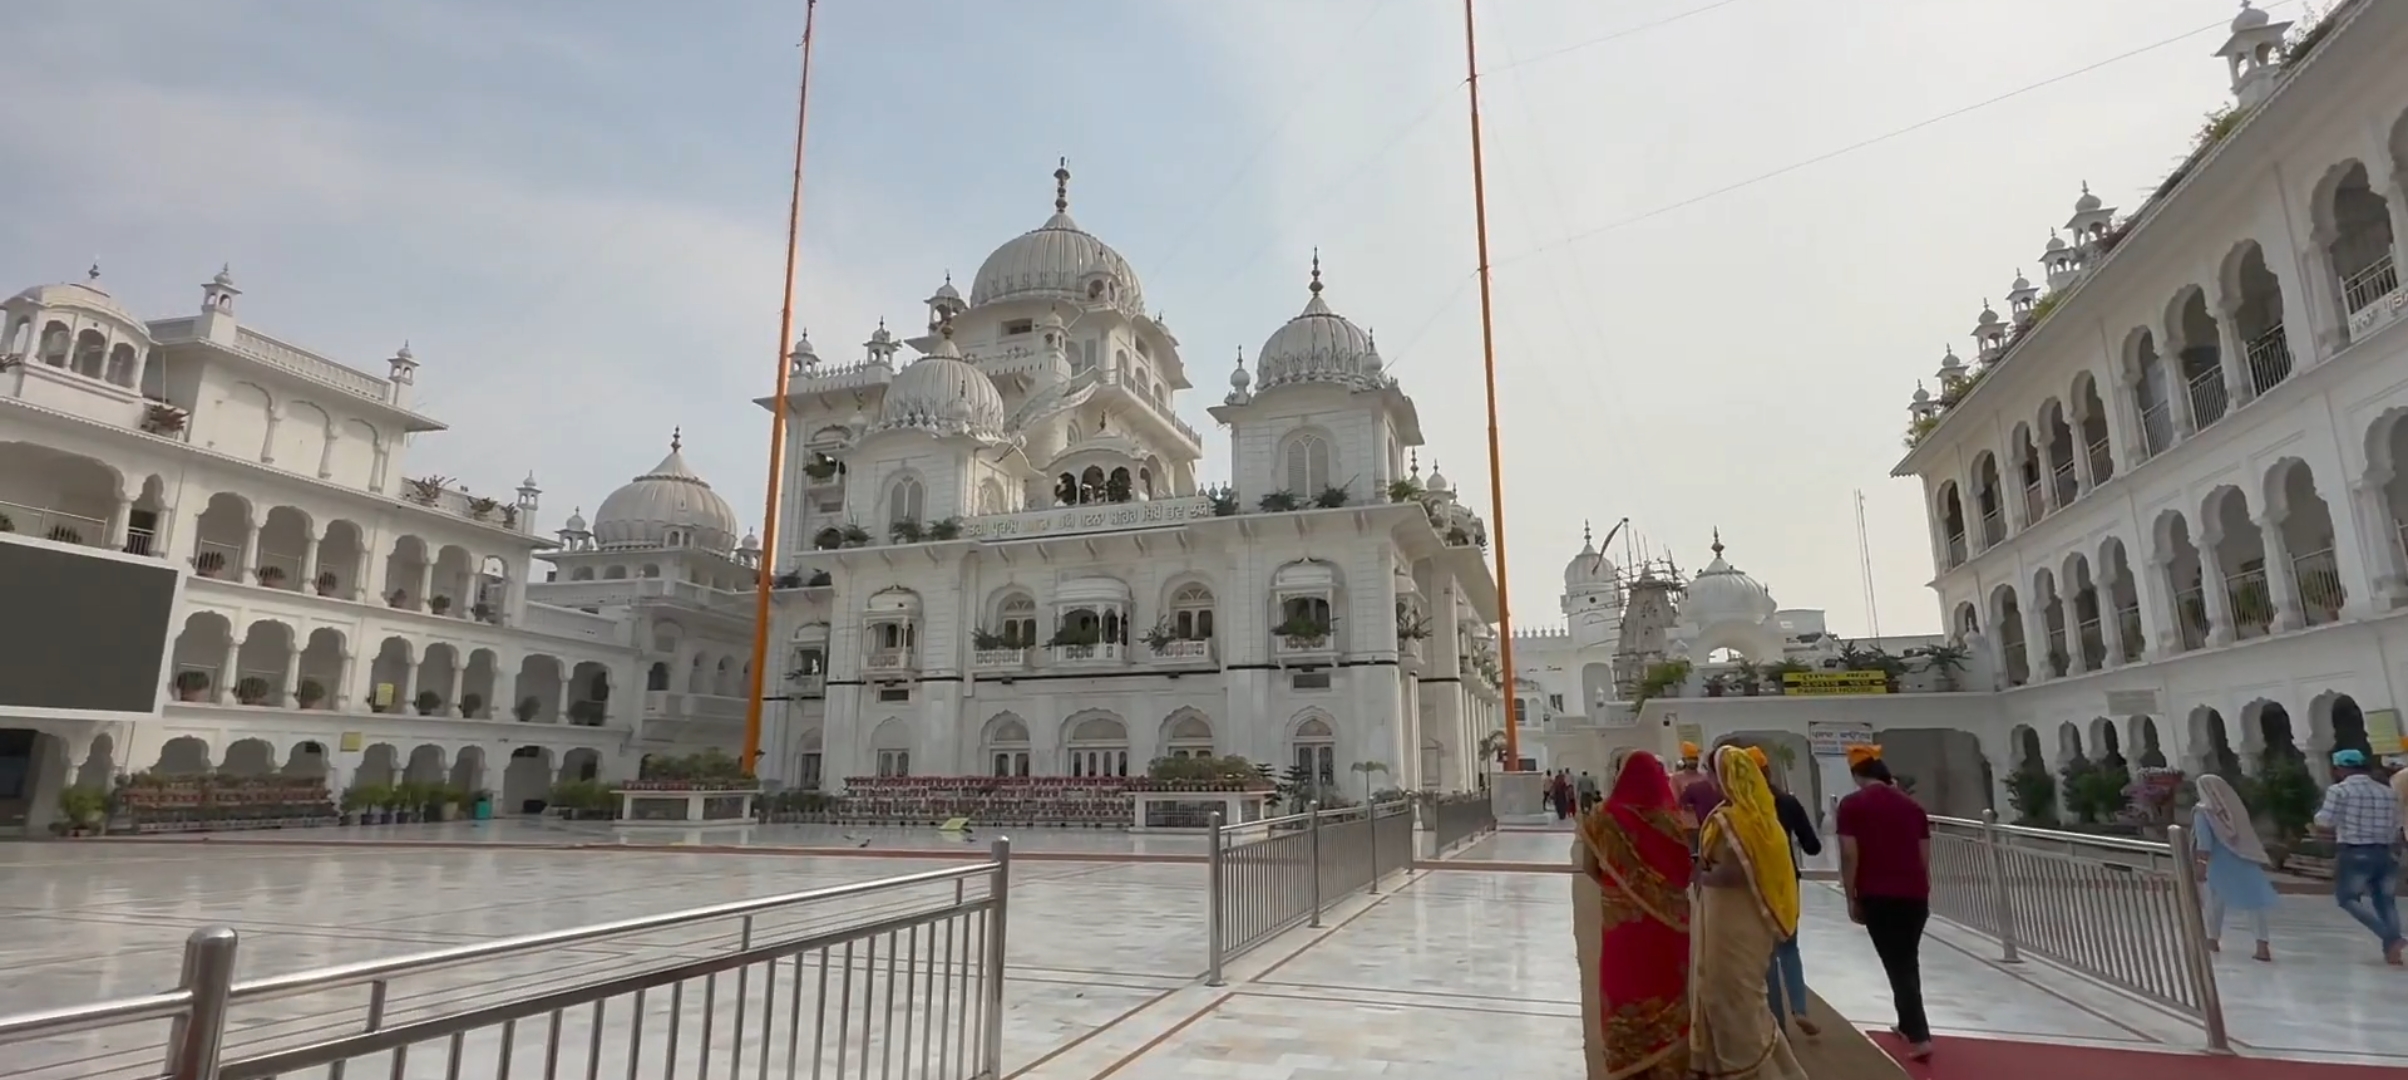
2236,863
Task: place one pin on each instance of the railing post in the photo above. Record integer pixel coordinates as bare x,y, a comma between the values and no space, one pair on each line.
1999,892
991,1054
196,1038
2194,937
1213,906
1371,817
1312,830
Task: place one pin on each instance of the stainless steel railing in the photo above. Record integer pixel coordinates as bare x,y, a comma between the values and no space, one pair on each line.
897,978
1459,819
2125,912
1267,877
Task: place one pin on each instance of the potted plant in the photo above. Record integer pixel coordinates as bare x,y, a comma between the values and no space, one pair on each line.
852,536
85,811
309,693
470,705
163,419
526,709
1279,502
1223,499
426,489
439,605
398,599
192,686
982,639
1457,537
1408,627
355,804
209,564
1405,489
510,517
7,524
1331,498
1947,659
946,529
820,467
903,531
270,576
428,702
480,507
65,535
1160,637
252,690
481,612
1302,630
586,713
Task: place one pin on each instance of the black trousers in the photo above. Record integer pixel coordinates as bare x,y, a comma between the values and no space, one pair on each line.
1897,930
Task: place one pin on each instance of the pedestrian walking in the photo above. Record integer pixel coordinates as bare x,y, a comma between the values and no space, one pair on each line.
1885,868
2362,816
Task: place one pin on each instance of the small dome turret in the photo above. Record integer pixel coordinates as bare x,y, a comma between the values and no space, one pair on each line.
1317,346
943,394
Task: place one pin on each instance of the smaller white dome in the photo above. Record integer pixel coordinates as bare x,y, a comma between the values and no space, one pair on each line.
1989,317
1722,594
750,543
86,296
225,276
1922,396
576,521
945,291
1372,364
1238,379
2056,243
1438,484
2088,202
942,394
803,355
2250,18
1590,567
2021,282
1950,363
642,513
1317,346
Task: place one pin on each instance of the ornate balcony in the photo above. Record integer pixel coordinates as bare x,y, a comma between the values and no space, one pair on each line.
1183,652
1009,659
890,661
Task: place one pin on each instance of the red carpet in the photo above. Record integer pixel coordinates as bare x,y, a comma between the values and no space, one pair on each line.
1960,1058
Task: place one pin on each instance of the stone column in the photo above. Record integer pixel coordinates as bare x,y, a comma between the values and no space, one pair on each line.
291,683
568,684
249,570
2035,641
2077,419
2324,294
309,563
459,677
119,518
2214,591
2385,562
341,691
227,676
425,595
2233,355
2282,578
2178,387
403,690
2111,621
2161,609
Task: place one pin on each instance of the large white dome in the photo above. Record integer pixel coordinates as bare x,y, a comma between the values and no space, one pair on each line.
1058,261
942,394
1590,567
1722,594
670,497
1318,345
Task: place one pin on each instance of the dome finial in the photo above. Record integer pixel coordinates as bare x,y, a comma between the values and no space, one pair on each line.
1062,187
1417,463
677,439
1316,285
1587,538
94,273
1718,541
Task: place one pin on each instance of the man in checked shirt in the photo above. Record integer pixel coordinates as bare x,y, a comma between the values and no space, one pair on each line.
2362,815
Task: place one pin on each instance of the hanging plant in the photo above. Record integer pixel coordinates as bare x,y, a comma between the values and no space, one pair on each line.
163,419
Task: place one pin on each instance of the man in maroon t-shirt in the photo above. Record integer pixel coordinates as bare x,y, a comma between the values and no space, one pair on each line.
1884,864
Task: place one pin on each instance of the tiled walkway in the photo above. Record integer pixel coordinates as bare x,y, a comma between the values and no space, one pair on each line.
1454,972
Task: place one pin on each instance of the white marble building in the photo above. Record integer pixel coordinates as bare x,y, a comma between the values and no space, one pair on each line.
1000,560
336,615
2165,498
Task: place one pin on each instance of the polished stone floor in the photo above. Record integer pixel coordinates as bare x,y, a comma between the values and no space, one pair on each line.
1454,972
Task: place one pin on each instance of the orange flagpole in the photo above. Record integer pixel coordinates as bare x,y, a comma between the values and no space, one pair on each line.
1488,358
765,585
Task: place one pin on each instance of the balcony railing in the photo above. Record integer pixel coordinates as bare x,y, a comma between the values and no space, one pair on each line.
1093,517
2373,297
2269,360
279,571
55,525
2035,506
2320,593
2208,398
1956,549
1102,652
1004,659
887,660
2102,462
141,542
1994,529
2094,645
2190,618
2252,603
2019,661
1184,651
2058,661
1302,646
2157,428
2134,635
2069,486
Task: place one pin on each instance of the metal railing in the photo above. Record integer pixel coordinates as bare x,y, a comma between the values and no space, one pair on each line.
2373,283
1261,886
2156,429
56,525
2125,912
2190,618
2102,462
1994,529
1459,819
2131,633
2035,505
2094,645
2067,486
2269,359
1956,549
895,978
2318,576
2251,603
2208,398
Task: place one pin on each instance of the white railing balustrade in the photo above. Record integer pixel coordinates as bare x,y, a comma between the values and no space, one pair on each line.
2190,618
2035,506
1293,645
141,541
2124,912
999,659
2208,398
887,660
1092,517
2269,359
2320,593
1956,549
2373,297
2069,486
2157,428
1102,652
1184,650
279,571
1994,529
2252,603
54,525
2102,462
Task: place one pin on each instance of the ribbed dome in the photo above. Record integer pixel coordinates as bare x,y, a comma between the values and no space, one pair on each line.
671,496
2250,18
942,394
86,296
1318,345
1722,594
1590,567
1058,261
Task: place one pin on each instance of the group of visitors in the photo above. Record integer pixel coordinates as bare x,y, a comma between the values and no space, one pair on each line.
1568,795
2362,817
1697,869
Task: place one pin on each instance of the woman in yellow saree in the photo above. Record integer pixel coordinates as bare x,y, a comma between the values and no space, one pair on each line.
1747,904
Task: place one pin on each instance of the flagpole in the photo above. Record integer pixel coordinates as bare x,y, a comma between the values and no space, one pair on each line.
766,581
1488,357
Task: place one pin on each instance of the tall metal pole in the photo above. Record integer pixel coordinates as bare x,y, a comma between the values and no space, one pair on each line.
1488,357
766,581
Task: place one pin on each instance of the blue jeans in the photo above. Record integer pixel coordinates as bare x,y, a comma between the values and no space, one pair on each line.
2366,884
1788,975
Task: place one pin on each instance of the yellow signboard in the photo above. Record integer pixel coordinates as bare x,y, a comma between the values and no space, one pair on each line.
352,742
2383,731
1835,682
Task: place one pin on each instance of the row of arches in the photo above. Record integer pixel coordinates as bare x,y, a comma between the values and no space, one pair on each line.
527,773
88,352
1096,742
272,666
2203,740
2213,348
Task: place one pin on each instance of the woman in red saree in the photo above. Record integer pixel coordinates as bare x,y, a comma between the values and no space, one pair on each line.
1636,852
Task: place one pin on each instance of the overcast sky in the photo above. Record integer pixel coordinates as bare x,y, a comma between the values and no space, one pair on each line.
574,211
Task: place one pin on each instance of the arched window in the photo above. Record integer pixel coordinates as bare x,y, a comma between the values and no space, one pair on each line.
1116,487
582,573
991,499
1017,621
906,500
1306,463
1316,754
1099,746
54,344
1191,613
121,365
90,347
657,678
1306,611
1007,747
1091,484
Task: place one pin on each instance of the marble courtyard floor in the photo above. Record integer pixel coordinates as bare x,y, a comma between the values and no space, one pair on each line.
1452,971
